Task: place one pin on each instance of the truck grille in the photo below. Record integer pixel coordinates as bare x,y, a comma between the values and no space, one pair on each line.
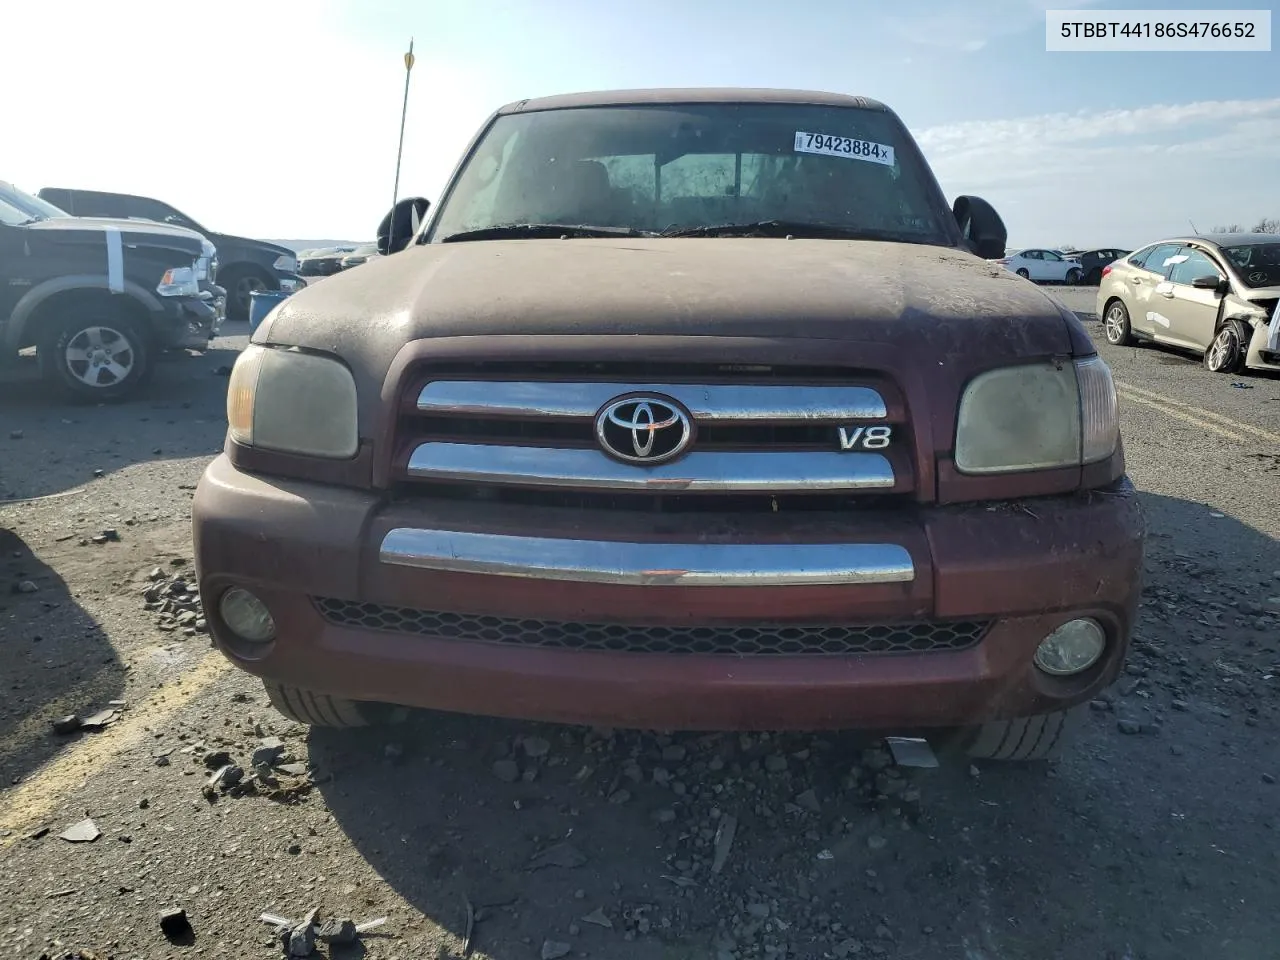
752,431
754,640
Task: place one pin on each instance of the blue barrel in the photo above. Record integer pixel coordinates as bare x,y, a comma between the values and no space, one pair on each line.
262,302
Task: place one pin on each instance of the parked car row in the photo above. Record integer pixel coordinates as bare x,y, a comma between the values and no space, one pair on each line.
326,261
1218,296
1060,266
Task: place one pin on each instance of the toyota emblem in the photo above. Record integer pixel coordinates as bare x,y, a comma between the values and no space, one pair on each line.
646,430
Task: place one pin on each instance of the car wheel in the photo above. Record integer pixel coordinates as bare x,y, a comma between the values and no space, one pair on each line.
1095,277
240,284
1073,276
1026,739
1022,272
100,354
1226,352
315,709
1115,324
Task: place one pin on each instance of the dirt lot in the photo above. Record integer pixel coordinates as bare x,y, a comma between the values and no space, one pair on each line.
1156,837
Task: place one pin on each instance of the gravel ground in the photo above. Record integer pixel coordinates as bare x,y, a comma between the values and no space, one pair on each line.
1153,838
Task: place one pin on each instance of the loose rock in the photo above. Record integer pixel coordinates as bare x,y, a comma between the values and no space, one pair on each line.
508,771
268,752
775,763
66,725
1129,727
26,586
553,949
302,939
174,923
226,777
86,831
338,930
217,759
535,747
673,753
597,918
876,842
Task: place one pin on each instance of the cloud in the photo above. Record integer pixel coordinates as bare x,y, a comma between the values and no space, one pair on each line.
1117,176
967,26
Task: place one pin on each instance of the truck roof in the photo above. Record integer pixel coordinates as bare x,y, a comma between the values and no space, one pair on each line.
668,95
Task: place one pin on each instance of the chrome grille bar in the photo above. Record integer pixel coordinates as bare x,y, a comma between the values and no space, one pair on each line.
648,564
719,471
708,402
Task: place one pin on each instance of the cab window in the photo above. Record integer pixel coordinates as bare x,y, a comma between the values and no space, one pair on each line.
1157,261
1195,265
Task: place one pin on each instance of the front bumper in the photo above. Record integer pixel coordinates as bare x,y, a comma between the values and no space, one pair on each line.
311,552
189,323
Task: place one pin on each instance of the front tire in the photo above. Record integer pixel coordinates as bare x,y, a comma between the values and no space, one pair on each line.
240,284
1026,739
1227,351
99,354
1073,276
1023,273
315,709
1115,324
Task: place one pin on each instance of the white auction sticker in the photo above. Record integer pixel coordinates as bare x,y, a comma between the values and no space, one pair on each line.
848,147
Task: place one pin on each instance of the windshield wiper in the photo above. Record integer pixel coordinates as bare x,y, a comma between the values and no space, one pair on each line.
775,228
536,231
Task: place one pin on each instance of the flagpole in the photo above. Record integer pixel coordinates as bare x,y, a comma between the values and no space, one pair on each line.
404,111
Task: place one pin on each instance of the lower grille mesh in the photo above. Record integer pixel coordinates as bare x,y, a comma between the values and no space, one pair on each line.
735,640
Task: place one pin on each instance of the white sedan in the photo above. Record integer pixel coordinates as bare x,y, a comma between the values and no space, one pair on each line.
1046,266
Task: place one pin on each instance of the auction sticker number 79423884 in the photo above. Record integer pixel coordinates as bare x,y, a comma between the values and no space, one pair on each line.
849,147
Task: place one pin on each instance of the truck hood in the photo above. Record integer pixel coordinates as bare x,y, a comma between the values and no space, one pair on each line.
272,250
934,300
145,233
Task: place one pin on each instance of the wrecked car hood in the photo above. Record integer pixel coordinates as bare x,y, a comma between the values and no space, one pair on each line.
930,299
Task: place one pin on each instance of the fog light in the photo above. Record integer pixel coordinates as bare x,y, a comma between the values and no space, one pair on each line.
1074,646
247,616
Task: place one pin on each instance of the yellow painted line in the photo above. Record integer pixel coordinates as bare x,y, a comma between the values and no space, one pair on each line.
1231,422
32,802
1184,416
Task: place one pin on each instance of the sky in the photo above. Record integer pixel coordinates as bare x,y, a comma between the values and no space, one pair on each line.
281,120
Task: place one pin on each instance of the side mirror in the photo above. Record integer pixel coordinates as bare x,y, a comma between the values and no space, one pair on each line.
1211,281
981,227
400,225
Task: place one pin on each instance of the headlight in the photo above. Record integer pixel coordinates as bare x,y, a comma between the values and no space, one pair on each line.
286,264
179,282
284,399
1036,417
208,261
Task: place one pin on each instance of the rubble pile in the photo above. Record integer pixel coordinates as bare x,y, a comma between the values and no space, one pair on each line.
175,601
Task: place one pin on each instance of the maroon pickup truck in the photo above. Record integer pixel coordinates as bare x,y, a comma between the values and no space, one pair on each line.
692,409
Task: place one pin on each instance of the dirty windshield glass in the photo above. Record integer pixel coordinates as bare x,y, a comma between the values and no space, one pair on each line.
1258,263
683,167
30,208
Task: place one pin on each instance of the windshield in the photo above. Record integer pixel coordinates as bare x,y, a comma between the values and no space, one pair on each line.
685,166
1257,263
32,208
